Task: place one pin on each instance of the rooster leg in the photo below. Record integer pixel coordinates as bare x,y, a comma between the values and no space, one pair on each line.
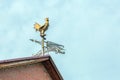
42,33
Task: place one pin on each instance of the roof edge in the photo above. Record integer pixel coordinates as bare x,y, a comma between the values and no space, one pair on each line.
52,69
24,58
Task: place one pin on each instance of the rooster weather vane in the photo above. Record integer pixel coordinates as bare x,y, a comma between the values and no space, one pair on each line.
47,46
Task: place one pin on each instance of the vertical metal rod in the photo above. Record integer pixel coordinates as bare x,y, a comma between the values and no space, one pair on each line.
43,45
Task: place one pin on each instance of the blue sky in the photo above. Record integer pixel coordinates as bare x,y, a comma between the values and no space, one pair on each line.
89,30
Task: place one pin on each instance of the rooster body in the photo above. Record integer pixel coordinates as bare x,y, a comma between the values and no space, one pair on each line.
42,28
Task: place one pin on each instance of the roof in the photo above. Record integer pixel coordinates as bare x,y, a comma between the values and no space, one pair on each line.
45,60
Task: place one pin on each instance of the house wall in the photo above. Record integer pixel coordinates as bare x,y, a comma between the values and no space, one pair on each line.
26,72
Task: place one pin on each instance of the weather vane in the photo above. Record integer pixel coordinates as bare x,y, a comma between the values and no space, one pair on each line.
47,46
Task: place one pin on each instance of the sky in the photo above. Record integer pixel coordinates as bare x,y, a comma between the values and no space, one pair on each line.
89,30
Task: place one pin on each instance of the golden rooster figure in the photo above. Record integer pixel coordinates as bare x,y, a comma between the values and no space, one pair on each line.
42,28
